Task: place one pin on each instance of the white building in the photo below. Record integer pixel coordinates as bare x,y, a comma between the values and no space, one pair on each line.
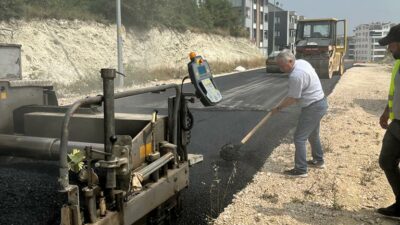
351,44
366,37
282,26
255,14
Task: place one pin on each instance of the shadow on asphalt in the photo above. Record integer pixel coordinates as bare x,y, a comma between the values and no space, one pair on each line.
359,65
214,182
278,75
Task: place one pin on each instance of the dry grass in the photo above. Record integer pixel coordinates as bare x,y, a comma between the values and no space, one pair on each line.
335,201
223,67
138,76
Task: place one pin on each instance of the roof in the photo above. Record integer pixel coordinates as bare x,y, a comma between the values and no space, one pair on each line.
320,19
10,45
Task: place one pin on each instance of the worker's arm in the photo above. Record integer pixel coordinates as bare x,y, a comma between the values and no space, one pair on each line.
285,103
383,120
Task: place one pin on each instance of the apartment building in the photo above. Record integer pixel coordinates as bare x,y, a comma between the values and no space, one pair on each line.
351,45
366,46
264,20
282,26
255,21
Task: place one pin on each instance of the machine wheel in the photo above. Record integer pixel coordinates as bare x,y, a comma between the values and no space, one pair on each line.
330,73
166,214
341,67
325,72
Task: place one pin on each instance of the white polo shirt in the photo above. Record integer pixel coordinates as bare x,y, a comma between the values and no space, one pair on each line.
304,84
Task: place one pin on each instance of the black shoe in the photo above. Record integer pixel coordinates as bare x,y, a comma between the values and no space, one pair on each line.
316,164
295,173
392,211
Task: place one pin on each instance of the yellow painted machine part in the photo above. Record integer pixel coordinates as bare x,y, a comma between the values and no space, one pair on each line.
145,150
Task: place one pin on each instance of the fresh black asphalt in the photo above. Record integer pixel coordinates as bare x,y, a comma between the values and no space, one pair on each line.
247,98
28,187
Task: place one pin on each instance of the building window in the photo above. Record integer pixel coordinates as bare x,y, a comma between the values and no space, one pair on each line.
266,17
292,33
266,34
248,12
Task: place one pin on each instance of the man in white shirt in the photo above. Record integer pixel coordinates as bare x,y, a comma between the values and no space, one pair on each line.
304,88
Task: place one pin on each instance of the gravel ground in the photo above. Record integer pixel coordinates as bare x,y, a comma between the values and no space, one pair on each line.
352,186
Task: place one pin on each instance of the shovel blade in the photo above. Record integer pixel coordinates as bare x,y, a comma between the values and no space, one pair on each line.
230,152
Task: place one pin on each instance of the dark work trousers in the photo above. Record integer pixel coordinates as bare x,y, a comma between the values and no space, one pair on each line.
390,157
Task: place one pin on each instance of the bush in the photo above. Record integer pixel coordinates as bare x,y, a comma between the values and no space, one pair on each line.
209,16
11,9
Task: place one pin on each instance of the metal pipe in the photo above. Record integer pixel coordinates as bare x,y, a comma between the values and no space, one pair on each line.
120,79
63,161
91,203
154,166
108,76
40,148
273,30
155,89
64,178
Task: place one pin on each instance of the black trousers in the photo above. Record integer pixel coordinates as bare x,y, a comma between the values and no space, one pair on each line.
390,157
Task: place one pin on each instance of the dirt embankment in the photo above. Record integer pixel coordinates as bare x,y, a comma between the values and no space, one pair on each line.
352,186
72,52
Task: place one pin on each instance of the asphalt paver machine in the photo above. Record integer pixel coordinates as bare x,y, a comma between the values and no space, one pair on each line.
113,168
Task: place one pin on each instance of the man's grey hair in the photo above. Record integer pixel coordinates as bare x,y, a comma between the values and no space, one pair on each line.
285,55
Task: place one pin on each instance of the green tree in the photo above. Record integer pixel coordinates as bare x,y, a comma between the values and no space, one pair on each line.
223,14
177,14
11,9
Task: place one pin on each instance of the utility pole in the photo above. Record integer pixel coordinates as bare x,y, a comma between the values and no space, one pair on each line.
273,28
120,79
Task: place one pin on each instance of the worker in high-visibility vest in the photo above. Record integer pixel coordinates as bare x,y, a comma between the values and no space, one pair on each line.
390,154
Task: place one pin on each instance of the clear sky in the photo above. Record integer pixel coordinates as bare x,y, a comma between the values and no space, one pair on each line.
356,12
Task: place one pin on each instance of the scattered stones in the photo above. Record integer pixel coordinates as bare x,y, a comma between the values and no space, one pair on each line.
334,195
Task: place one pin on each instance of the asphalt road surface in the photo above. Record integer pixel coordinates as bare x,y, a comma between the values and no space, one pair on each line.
247,97
28,195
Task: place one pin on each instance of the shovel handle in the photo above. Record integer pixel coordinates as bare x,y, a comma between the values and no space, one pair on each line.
264,120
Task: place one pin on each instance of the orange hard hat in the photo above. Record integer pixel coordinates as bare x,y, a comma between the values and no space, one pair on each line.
192,55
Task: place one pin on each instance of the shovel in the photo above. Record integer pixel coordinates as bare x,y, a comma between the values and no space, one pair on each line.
231,152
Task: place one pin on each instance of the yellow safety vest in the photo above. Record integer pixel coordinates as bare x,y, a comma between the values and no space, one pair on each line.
392,87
